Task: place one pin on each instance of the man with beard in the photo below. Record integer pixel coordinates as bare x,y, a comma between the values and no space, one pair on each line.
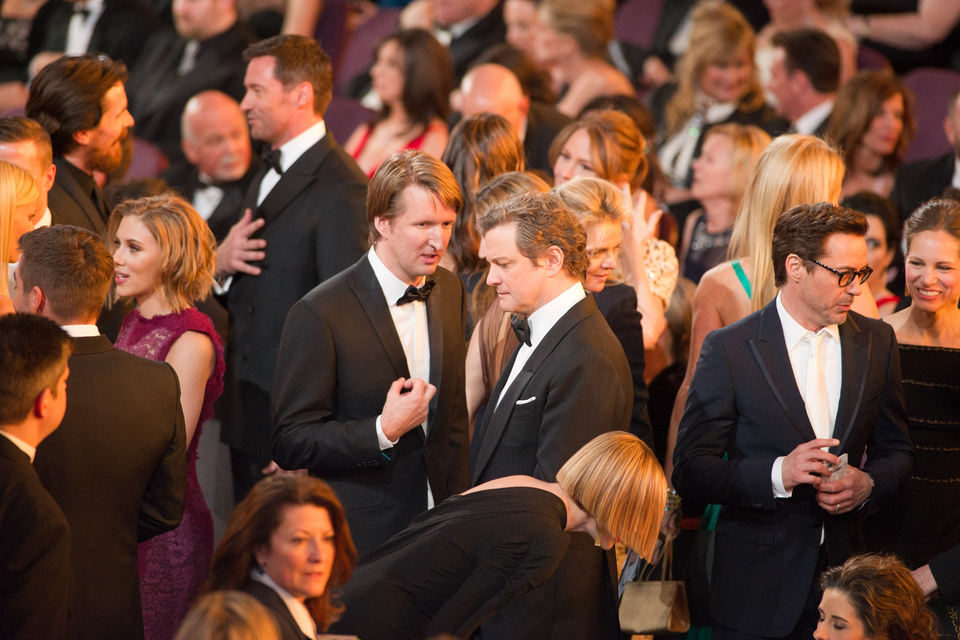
82,104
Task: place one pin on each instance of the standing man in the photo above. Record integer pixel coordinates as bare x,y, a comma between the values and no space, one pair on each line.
384,417
776,398
303,222
81,102
117,465
34,535
567,382
804,78
25,143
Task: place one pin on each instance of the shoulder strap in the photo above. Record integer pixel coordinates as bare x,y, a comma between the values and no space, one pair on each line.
742,276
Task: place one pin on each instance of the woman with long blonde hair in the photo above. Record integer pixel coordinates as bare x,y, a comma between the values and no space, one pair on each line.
19,210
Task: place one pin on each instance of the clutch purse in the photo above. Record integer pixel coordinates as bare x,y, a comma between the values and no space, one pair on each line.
655,606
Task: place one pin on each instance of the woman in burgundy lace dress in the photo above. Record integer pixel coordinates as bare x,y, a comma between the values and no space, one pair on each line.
164,257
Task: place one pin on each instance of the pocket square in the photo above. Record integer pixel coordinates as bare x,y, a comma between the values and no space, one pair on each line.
526,401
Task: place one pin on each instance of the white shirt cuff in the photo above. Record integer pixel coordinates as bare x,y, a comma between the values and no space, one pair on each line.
385,443
221,289
776,478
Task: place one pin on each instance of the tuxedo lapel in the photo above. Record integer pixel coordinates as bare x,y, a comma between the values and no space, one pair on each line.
294,180
435,334
770,352
73,189
855,355
368,292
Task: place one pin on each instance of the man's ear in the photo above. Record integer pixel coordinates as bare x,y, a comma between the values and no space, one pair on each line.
796,267
82,137
304,95
552,260
525,105
49,177
381,224
41,404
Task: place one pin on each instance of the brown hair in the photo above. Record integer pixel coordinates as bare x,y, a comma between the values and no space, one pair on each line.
187,256
71,266
934,215
427,76
67,96
616,144
256,518
804,229
410,168
885,597
298,59
542,222
858,102
590,24
480,147
19,129
33,355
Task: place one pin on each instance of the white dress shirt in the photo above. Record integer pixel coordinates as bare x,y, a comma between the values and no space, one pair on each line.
290,152
81,330
956,173
206,197
297,609
541,321
798,349
808,122
80,29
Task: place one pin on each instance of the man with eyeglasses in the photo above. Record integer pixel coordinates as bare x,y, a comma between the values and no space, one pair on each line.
795,424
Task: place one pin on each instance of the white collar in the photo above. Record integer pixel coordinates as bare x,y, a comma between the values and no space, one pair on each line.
543,319
793,331
392,286
297,609
808,122
292,149
31,451
81,330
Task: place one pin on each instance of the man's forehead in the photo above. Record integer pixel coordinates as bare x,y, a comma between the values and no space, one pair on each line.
24,154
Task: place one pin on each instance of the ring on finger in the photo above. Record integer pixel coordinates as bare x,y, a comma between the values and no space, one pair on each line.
837,510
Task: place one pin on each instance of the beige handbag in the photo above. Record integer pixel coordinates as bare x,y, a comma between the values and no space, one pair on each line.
655,606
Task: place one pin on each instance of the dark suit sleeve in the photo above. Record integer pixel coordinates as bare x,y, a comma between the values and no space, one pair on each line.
706,429
625,322
162,506
305,433
946,571
584,400
459,420
342,235
889,450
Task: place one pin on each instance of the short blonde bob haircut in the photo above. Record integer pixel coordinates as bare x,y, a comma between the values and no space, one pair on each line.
17,188
747,142
593,201
228,615
616,145
616,479
589,24
718,34
187,246
793,170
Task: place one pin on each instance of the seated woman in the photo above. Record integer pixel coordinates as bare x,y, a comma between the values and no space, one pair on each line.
873,597
413,77
288,545
872,122
228,615
19,210
716,82
883,237
455,565
164,258
607,144
571,43
720,174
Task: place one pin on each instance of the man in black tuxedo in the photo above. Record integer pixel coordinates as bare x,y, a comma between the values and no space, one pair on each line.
117,465
24,143
804,78
776,398
82,104
567,382
34,535
205,51
917,182
383,418
493,88
303,222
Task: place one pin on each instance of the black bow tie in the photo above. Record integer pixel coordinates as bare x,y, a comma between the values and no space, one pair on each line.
82,10
412,294
271,158
521,328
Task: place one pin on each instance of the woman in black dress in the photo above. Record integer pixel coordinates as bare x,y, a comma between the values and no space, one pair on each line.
454,566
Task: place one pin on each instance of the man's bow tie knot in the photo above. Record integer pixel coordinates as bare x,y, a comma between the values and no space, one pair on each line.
271,158
521,328
413,294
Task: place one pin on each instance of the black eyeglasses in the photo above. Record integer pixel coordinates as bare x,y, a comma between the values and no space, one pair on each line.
846,278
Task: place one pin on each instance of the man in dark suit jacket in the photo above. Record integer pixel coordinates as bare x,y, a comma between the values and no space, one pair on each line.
917,182
124,416
34,535
384,417
770,395
204,52
305,208
567,382
804,78
81,103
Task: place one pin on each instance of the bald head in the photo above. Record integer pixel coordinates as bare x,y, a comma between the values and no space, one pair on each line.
493,88
215,138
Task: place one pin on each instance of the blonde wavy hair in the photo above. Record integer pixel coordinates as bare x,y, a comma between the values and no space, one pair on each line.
719,33
747,143
616,479
793,170
187,246
590,24
17,188
228,615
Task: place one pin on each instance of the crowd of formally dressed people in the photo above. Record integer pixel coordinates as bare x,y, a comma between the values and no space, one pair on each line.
556,298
